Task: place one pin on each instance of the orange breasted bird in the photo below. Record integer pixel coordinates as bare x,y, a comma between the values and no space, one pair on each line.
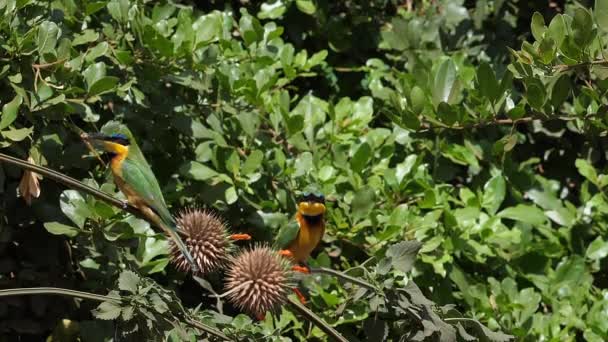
135,179
299,238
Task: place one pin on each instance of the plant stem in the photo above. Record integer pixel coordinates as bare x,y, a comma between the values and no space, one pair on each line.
316,320
57,291
344,276
100,298
71,182
208,329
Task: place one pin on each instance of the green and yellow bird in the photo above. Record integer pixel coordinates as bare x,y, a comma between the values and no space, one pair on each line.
135,179
300,237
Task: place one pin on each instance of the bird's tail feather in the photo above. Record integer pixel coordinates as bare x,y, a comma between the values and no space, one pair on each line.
173,234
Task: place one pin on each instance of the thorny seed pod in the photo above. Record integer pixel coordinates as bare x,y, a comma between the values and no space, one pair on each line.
207,239
258,281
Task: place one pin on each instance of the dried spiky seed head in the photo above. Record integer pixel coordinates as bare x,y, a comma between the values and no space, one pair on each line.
206,237
258,280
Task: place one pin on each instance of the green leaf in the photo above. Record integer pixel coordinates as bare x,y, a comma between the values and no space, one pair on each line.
119,10
557,29
326,173
231,195
94,6
536,95
572,272
403,255
546,50
150,249
405,168
233,163
98,51
103,85
253,162
601,14
304,164
74,206
48,34
587,170
361,157
597,250
538,26
560,91
107,311
443,85
484,333
17,134
494,193
128,312
159,304
272,10
363,202
316,59
418,99
306,6
524,213
582,27
488,85
295,124
57,228
94,73
198,171
207,28
9,111
363,110
127,281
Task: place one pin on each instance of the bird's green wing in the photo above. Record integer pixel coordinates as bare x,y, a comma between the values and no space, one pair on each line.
139,174
141,179
287,234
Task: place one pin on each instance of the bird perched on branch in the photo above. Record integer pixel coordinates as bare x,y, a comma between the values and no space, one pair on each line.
135,179
300,237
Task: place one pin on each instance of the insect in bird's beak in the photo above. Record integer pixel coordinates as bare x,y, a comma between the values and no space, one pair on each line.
96,139
93,136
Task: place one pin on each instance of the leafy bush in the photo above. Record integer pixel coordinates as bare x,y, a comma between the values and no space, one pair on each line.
460,145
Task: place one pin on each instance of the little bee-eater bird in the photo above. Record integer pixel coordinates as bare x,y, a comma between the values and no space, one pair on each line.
298,239
135,179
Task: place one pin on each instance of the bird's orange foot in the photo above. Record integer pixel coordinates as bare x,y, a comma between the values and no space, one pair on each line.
286,253
301,297
240,237
301,269
260,316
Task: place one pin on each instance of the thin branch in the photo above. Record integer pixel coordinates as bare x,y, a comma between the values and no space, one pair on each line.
100,298
46,65
72,183
38,67
26,291
316,320
208,329
425,126
566,67
344,276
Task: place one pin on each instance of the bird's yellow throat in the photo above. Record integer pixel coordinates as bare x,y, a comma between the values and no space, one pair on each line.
311,208
119,151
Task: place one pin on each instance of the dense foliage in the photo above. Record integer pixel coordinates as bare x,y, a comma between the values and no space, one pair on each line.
461,145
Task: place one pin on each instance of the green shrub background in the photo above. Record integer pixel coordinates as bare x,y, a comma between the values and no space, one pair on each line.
475,127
